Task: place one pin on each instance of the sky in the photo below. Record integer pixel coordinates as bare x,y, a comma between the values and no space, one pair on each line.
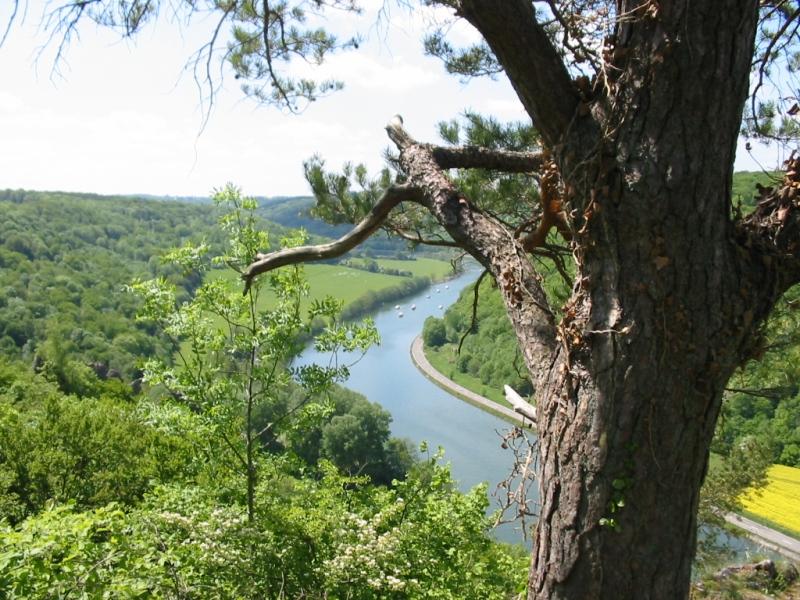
123,117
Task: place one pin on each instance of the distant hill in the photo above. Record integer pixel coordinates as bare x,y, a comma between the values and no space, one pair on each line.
744,186
183,199
65,259
293,212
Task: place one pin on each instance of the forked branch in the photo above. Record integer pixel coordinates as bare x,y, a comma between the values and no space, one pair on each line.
492,244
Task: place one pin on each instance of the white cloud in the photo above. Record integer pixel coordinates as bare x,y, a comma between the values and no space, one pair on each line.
358,70
10,102
507,109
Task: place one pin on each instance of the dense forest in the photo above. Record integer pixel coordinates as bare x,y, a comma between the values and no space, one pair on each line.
64,260
222,471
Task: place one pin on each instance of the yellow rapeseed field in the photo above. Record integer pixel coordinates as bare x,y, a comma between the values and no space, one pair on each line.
779,501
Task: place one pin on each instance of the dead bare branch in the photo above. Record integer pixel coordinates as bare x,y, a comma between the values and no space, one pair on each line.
476,157
517,503
474,320
393,196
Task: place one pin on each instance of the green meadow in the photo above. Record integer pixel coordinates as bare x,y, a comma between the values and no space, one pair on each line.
348,284
443,360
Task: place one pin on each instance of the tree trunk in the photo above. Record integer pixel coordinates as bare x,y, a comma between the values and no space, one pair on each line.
667,307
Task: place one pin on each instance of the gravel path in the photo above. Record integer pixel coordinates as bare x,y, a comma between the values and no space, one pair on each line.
776,540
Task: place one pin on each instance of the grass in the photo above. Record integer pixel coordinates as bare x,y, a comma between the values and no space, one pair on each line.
744,185
443,361
348,284
342,282
776,505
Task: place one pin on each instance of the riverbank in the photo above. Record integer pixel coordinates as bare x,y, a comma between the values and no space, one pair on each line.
781,543
426,368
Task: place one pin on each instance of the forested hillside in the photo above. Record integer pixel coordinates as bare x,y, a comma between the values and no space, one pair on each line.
64,261
232,474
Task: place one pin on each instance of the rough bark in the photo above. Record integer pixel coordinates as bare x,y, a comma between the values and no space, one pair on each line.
477,157
667,305
671,293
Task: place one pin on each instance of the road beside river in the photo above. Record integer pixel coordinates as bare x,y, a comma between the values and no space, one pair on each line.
427,369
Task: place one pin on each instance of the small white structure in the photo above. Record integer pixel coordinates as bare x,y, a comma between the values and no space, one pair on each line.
520,405
397,307
440,307
400,314
413,307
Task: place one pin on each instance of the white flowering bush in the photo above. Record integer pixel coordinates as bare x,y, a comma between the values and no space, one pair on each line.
366,557
328,537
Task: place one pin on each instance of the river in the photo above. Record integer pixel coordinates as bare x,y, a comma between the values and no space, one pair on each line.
421,411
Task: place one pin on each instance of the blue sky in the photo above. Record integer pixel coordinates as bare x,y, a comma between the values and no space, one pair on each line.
125,118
